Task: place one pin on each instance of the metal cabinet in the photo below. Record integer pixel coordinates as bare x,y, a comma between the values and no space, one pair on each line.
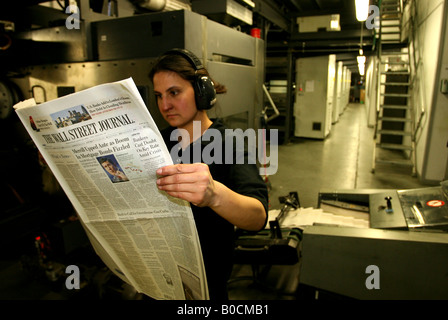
315,79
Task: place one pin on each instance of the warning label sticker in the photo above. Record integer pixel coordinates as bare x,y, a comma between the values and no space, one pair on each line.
435,203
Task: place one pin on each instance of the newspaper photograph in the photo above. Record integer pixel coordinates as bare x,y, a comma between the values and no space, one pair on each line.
104,148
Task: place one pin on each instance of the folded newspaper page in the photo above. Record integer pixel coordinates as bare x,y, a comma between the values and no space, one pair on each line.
104,148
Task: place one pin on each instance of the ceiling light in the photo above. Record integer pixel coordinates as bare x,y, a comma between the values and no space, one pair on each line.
334,22
361,64
362,69
362,9
361,59
334,25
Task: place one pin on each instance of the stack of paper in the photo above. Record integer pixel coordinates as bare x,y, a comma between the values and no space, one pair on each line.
302,217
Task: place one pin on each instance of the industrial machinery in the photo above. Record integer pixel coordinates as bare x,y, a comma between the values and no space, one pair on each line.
403,255
82,48
423,209
313,108
271,246
275,246
52,52
110,54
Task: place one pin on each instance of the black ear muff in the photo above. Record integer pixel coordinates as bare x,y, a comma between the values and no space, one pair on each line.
204,88
205,93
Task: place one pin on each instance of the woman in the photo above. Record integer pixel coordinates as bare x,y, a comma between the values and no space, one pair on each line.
222,196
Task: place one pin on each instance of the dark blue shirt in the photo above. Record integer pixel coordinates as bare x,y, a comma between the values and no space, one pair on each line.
216,234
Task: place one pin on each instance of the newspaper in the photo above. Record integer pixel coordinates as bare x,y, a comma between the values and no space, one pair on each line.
104,148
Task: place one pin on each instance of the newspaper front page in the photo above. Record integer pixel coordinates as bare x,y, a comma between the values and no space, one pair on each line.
104,149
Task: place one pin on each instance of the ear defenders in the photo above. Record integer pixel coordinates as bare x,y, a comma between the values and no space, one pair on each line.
204,88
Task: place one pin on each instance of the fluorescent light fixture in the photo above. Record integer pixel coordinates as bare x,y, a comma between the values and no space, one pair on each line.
334,22
362,69
334,25
362,9
361,64
361,59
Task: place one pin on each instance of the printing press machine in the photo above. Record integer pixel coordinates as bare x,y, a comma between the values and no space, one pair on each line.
403,254
273,246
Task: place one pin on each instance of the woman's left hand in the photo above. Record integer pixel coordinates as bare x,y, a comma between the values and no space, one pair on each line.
190,182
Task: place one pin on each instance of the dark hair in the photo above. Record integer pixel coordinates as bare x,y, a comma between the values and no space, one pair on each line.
103,159
178,64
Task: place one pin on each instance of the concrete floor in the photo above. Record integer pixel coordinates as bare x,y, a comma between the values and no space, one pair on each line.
342,161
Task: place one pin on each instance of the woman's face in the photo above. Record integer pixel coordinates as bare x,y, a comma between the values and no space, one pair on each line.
175,99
